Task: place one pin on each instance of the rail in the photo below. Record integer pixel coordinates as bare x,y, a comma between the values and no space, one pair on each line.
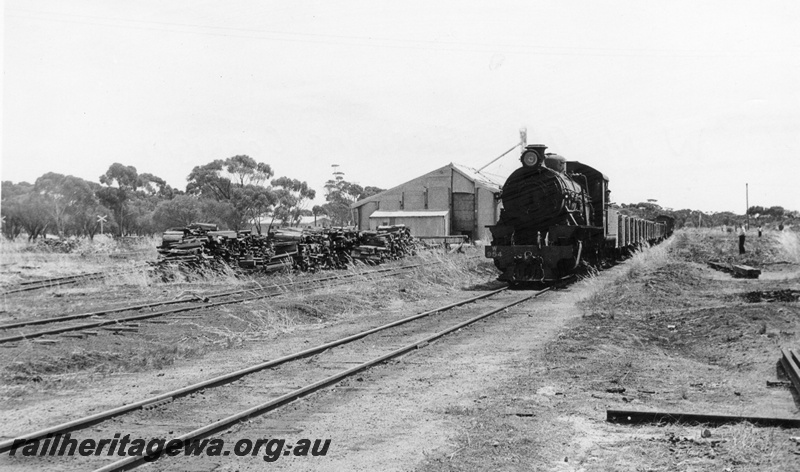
155,314
84,422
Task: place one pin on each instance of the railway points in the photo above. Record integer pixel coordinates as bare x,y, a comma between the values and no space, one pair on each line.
255,293
325,373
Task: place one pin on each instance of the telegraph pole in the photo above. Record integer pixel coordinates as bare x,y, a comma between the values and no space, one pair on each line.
747,202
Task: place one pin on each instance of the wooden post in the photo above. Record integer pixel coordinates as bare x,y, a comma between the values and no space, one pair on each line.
747,203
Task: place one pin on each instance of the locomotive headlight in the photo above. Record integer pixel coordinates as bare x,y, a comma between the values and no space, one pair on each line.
530,158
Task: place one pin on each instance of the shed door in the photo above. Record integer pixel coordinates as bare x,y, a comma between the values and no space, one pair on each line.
463,212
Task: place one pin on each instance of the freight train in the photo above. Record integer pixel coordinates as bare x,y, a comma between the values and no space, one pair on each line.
556,217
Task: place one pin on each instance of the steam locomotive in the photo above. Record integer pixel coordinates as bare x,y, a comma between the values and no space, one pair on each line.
556,218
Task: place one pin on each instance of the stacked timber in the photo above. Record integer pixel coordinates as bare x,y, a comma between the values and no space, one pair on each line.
303,249
387,243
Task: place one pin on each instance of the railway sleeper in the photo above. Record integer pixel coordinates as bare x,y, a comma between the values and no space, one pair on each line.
157,404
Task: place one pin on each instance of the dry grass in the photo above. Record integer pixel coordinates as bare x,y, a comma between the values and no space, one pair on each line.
21,260
788,246
101,245
363,294
598,289
741,447
662,324
234,326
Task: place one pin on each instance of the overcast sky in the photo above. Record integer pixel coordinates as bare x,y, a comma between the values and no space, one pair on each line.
679,101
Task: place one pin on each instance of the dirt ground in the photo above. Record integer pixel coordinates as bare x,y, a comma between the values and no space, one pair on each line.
527,389
660,333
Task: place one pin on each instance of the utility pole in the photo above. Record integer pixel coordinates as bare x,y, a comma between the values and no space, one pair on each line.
747,202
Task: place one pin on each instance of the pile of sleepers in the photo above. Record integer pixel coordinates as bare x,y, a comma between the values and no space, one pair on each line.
737,270
302,249
387,243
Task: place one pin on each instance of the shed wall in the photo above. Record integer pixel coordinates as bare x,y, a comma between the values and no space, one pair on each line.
363,213
419,226
472,207
487,212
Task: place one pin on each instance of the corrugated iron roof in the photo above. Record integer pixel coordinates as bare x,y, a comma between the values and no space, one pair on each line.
467,172
476,176
408,214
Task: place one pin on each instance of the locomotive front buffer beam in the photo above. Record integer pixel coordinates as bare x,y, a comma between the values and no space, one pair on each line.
521,264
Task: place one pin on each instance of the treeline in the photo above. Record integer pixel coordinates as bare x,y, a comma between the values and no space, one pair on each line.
235,193
773,212
696,218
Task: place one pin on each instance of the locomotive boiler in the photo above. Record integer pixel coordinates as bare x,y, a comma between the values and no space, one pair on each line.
556,217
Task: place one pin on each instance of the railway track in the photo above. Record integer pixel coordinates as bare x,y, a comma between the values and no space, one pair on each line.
183,414
229,297
38,284
51,282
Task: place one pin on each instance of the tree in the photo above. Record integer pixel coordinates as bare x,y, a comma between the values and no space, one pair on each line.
122,176
64,202
247,170
218,178
206,181
236,182
318,210
83,207
131,197
66,195
726,218
292,195
140,215
50,188
83,222
35,215
116,200
121,183
12,208
340,194
776,211
179,211
253,202
370,191
154,186
646,210
223,214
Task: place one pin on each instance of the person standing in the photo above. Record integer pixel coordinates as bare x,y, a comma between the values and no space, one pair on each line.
741,233
759,231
